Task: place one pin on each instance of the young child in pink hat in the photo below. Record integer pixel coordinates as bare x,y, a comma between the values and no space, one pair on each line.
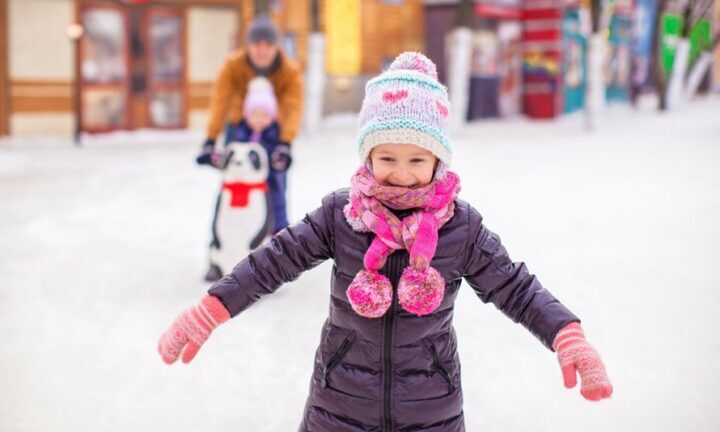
402,242
259,124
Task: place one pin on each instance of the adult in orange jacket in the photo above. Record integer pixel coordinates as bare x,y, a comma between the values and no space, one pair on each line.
261,56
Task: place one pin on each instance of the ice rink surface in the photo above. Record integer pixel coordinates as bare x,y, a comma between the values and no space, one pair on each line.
102,246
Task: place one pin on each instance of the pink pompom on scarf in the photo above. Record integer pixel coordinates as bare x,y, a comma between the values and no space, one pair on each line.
421,288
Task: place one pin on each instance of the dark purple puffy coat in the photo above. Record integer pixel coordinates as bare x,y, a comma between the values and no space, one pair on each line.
400,372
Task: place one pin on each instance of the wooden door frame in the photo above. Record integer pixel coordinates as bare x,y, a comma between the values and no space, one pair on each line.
4,70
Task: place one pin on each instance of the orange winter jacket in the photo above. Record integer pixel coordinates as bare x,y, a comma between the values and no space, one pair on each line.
230,88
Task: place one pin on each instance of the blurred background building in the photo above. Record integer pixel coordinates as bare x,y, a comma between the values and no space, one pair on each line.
125,65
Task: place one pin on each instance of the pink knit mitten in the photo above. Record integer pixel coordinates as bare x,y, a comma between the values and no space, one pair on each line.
191,329
575,354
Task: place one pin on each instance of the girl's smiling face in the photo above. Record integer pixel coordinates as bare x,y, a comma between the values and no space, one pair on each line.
403,165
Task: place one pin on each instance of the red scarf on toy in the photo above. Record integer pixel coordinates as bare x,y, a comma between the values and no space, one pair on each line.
240,192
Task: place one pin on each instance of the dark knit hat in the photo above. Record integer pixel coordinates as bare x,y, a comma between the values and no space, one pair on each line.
262,29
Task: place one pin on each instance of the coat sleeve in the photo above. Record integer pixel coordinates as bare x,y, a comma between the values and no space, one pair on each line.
220,99
281,259
290,106
510,287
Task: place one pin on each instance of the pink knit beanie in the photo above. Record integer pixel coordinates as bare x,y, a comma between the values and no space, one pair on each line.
260,95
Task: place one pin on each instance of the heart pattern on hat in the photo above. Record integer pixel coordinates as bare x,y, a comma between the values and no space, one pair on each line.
442,108
406,104
394,97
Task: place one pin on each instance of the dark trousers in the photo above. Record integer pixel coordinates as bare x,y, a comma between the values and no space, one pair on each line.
277,185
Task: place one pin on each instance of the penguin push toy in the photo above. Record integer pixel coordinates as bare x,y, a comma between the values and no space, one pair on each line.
243,213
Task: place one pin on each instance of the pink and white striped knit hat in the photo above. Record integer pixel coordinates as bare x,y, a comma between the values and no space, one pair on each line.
406,105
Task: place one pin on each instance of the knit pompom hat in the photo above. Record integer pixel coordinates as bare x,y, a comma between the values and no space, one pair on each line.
406,105
262,29
260,94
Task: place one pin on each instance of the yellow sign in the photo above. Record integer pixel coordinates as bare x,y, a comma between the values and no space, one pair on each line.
342,26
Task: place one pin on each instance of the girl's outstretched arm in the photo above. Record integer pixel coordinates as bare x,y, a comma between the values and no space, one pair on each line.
281,259
509,285
286,255
497,279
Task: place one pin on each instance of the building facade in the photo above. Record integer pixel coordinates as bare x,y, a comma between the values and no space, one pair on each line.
71,66
121,65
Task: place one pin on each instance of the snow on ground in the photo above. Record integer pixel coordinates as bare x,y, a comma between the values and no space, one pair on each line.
101,247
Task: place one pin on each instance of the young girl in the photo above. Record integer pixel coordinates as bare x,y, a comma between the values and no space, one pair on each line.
259,124
402,243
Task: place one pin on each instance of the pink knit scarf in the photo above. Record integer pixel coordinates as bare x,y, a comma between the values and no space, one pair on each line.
421,288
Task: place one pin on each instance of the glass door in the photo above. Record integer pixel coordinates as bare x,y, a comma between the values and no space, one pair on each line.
103,62
165,42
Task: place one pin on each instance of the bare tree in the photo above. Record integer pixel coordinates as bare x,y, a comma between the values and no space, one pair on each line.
693,13
595,14
704,14
699,68
656,57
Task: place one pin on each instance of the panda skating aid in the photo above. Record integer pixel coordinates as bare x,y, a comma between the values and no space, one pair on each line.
243,214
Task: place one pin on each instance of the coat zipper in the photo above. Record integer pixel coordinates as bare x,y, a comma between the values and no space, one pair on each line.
441,368
335,360
394,263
